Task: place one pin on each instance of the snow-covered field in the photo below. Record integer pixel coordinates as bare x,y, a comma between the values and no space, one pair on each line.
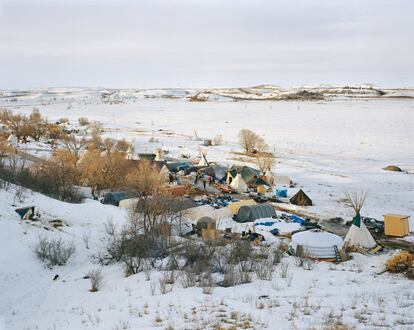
324,146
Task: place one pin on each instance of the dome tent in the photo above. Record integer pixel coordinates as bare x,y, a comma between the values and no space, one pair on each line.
249,213
316,244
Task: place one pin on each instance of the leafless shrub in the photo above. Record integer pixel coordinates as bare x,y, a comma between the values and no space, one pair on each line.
207,283
231,277
86,237
54,251
308,264
188,279
63,120
284,270
278,252
239,251
245,275
264,270
166,283
83,121
96,279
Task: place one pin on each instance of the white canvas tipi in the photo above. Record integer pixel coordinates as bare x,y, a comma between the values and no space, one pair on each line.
238,183
358,235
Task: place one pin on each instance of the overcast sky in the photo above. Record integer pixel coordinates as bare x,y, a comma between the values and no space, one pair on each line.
200,43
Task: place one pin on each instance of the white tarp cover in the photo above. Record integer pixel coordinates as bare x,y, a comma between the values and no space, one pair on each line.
317,243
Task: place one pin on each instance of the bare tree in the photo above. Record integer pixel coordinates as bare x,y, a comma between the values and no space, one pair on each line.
265,162
251,142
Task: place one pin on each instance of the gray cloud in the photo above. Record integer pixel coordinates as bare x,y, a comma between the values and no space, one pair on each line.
205,43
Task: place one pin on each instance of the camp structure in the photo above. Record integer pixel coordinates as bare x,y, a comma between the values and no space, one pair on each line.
396,225
358,235
217,171
113,198
248,174
276,180
235,206
316,244
12,140
222,213
26,213
196,213
158,155
147,156
205,223
301,199
249,213
165,174
238,184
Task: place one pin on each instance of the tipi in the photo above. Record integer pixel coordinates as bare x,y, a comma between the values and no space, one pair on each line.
158,155
238,183
358,235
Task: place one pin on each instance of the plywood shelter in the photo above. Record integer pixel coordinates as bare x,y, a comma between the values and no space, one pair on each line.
396,225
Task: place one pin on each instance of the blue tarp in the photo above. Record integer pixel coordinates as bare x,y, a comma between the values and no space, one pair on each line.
281,192
267,223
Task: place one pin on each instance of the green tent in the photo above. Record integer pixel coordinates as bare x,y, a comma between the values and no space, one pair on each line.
249,213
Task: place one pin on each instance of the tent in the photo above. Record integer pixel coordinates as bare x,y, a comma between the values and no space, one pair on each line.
239,184
301,199
205,223
249,174
196,213
235,206
249,213
165,174
113,198
203,161
12,139
158,155
282,180
222,213
316,243
358,235
26,213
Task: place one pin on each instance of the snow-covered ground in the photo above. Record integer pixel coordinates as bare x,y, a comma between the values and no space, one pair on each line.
324,147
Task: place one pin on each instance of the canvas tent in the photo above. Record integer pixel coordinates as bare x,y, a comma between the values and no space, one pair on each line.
239,184
196,213
235,206
316,244
301,199
358,235
249,174
222,213
26,213
249,213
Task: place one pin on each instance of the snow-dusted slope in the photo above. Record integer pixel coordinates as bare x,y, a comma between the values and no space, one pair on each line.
30,299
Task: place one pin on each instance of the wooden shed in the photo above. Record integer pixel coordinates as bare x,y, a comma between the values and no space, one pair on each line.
396,225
